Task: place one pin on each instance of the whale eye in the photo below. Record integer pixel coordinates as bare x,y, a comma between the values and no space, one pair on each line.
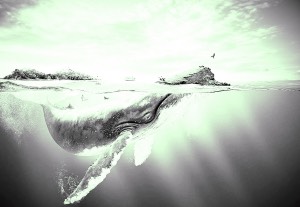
147,116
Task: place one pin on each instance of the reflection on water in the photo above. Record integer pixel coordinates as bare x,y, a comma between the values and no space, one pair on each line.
231,148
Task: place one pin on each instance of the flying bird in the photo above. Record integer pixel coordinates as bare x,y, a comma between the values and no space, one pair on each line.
213,56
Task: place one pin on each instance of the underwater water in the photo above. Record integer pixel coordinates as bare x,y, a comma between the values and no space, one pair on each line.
232,146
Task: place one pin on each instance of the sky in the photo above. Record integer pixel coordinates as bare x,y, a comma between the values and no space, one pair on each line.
252,40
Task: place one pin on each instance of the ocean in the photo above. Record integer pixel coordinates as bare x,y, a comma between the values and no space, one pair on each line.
232,146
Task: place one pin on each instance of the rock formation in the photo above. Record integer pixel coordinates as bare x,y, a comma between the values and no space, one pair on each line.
204,76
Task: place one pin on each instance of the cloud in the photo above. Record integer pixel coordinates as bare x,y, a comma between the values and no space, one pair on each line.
9,8
140,36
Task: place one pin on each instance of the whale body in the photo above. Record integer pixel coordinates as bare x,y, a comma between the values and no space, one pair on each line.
91,132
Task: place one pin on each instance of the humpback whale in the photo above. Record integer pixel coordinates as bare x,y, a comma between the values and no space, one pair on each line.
106,134
97,126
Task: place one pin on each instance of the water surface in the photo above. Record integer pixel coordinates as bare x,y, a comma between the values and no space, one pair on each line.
233,147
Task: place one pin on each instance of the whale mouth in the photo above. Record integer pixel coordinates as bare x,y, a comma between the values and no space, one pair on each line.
132,125
127,126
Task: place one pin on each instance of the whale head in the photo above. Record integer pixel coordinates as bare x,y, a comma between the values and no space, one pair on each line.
79,132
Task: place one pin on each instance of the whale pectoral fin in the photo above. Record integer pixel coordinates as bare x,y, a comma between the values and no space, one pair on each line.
97,172
142,150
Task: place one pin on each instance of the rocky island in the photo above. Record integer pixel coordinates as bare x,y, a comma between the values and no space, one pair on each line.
204,76
32,74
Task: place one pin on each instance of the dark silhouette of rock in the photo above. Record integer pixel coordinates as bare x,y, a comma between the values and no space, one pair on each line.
203,76
32,74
